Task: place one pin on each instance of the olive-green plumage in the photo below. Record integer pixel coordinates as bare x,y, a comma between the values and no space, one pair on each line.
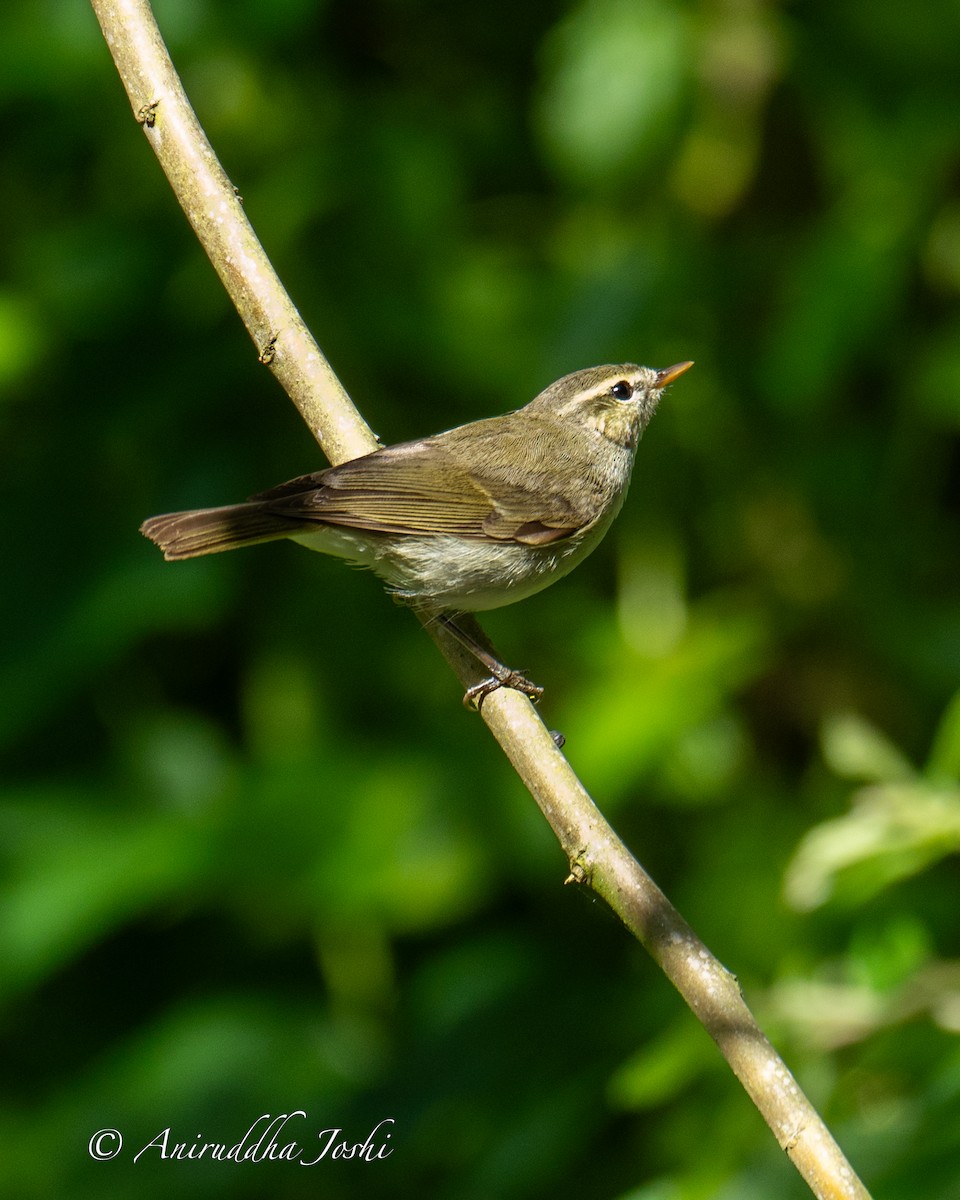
470,519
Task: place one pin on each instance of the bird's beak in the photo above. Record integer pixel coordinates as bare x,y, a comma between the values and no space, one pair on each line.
669,374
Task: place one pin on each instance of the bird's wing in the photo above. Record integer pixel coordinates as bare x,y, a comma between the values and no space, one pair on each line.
434,486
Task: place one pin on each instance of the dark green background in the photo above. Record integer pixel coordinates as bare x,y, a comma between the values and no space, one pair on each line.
255,856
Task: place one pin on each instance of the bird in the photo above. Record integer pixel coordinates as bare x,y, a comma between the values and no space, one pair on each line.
467,520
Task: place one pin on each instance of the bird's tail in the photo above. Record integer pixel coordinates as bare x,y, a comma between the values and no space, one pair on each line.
210,530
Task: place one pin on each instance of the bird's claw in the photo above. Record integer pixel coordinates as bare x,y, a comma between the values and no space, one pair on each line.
475,695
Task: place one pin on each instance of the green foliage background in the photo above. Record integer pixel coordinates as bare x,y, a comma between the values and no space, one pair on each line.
255,856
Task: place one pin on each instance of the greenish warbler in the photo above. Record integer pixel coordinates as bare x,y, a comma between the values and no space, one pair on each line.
470,519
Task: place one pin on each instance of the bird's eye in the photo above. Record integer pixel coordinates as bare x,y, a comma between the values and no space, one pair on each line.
622,390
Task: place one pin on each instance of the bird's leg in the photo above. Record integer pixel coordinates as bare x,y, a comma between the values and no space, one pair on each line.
500,675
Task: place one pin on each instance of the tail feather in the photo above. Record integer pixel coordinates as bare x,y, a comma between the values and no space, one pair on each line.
211,530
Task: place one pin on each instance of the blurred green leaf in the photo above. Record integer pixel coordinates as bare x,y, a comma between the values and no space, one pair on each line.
944,760
658,1073
21,340
615,76
891,832
637,707
854,749
89,875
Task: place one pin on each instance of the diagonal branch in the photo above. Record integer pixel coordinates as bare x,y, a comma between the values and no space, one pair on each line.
596,855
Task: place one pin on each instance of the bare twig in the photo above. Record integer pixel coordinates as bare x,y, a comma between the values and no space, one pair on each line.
596,855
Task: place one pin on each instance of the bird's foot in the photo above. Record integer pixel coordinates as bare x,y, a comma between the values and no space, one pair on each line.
501,677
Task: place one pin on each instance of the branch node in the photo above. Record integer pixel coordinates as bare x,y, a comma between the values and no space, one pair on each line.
578,871
789,1143
147,114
